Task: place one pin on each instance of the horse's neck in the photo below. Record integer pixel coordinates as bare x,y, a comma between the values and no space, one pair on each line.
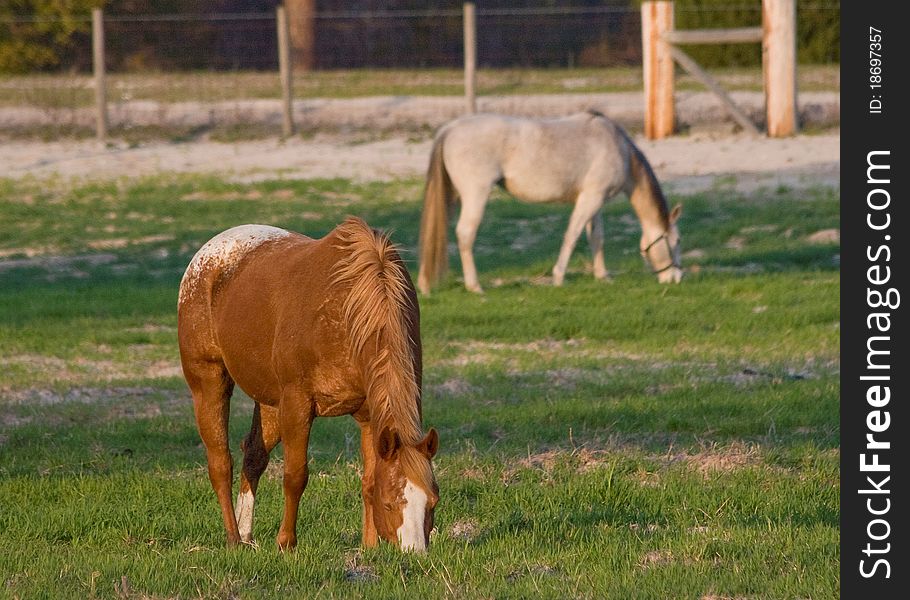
646,196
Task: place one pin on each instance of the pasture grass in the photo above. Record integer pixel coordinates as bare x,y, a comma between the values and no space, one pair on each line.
53,91
598,440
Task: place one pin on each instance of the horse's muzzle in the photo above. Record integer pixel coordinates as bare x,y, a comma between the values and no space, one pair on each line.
671,275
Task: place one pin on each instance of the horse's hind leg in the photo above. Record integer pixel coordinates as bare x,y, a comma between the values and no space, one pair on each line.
595,232
472,207
587,205
258,444
211,387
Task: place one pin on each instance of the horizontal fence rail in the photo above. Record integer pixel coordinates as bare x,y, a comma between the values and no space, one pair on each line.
715,36
231,65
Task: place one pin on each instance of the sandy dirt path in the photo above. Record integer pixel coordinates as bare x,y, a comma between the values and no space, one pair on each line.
382,138
684,163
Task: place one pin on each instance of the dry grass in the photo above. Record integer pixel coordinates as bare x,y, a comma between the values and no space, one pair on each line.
714,459
143,362
466,530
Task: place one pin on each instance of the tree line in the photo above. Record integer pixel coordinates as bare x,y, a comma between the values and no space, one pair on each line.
54,35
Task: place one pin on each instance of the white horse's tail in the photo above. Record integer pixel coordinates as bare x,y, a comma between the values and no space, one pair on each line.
438,198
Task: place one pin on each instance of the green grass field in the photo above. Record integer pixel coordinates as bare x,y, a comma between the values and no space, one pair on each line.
74,90
622,440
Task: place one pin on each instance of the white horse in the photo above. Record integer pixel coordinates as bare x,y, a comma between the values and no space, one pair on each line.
585,158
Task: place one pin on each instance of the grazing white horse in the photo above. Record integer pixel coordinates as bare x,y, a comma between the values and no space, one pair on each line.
584,158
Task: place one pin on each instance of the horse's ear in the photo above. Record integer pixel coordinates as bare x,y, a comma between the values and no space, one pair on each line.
389,443
429,444
674,214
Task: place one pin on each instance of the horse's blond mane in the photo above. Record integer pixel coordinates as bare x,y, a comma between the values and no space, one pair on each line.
376,311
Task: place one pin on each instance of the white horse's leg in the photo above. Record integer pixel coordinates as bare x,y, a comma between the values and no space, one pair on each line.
472,206
587,205
595,230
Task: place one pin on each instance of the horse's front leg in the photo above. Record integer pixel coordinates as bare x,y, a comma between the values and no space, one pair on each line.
473,203
258,444
368,452
296,416
586,206
595,231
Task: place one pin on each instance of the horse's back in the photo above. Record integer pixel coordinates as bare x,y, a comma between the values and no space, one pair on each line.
249,290
474,147
538,160
223,254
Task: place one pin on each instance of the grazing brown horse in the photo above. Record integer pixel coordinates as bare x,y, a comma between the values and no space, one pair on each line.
310,328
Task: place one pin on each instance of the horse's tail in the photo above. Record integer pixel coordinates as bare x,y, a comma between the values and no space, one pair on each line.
438,198
382,320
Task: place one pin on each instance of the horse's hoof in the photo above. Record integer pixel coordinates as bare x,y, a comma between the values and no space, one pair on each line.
286,542
558,277
474,289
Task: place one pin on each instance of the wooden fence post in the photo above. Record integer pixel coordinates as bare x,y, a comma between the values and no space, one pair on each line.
284,71
779,63
101,121
657,20
470,57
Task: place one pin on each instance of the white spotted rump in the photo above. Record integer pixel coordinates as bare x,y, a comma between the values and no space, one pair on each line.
410,534
226,250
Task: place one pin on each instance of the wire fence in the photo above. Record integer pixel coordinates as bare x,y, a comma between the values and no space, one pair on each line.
230,60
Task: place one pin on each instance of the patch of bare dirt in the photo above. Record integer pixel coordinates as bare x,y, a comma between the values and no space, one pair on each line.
81,395
466,530
706,159
481,352
532,570
473,473
582,460
714,459
453,387
50,369
151,328
647,478
111,403
118,243
355,571
825,236
64,264
655,558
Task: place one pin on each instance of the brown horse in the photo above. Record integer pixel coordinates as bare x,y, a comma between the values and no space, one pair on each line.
310,328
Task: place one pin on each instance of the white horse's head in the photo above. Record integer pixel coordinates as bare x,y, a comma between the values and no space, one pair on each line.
662,252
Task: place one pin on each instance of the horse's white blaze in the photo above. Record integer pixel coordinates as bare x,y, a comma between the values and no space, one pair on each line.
410,534
225,250
244,515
